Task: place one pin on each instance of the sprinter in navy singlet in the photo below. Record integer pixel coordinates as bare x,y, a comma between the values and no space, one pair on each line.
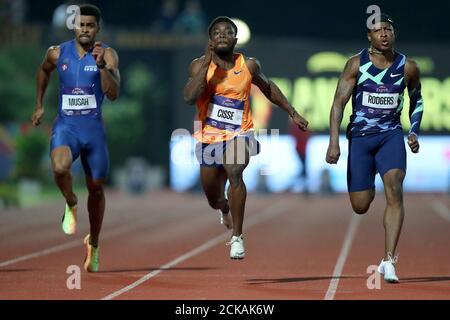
88,70
376,79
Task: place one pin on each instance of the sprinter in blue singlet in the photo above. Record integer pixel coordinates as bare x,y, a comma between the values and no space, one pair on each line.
376,79
88,70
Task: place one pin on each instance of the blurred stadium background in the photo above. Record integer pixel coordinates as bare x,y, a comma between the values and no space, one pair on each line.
302,47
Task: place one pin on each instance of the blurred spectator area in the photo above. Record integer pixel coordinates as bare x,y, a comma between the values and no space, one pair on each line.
300,45
284,18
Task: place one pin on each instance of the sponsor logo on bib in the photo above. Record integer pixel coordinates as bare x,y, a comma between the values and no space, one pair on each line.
382,89
77,91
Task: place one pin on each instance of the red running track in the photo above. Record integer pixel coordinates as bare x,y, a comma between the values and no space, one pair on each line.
170,246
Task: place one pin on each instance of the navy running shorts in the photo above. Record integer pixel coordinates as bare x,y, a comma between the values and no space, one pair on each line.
372,154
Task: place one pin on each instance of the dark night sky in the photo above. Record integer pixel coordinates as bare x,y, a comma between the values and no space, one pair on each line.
423,21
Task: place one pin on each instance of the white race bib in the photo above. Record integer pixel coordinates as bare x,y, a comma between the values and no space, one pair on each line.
225,114
380,100
78,102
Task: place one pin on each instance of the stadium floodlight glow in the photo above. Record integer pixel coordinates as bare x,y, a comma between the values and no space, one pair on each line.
244,33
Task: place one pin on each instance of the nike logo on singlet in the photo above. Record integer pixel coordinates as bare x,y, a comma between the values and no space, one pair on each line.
395,75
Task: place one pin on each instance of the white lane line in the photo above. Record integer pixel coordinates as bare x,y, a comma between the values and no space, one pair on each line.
41,253
351,231
258,218
74,243
65,246
441,209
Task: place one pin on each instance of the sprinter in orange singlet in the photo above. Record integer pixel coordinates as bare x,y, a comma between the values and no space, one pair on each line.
219,83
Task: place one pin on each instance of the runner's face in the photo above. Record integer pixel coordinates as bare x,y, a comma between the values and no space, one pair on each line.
88,30
224,38
382,36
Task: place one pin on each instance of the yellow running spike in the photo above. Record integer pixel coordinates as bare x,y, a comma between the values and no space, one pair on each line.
91,261
69,221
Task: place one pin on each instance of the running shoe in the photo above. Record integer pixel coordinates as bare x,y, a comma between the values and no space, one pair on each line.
69,220
237,250
387,268
91,261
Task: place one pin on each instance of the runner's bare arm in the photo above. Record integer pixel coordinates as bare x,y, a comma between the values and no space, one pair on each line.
344,90
110,75
198,70
42,78
273,93
197,81
412,76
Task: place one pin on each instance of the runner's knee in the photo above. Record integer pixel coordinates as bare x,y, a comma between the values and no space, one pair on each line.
235,176
216,203
360,208
95,188
96,191
61,168
394,194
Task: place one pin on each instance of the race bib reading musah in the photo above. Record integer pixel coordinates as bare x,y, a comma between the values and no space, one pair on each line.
78,102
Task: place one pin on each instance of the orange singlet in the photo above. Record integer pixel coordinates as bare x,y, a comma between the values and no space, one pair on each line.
224,107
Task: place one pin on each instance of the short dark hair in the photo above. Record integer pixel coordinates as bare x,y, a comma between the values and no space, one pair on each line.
222,19
91,10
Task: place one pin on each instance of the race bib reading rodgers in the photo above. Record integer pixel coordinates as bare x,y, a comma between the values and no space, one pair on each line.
380,100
